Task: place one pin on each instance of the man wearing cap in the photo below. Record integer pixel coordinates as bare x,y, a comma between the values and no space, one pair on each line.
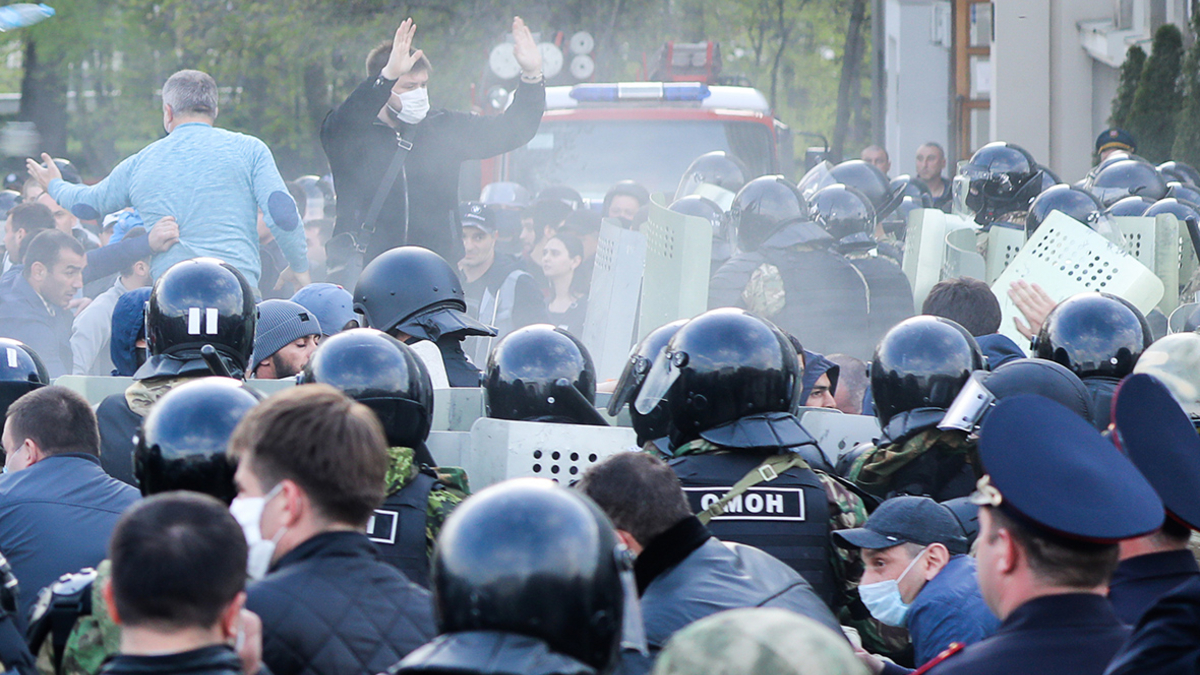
331,305
285,336
1055,500
918,576
1158,437
1111,140
498,292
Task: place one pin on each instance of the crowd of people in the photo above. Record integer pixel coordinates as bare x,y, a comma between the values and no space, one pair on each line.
1013,513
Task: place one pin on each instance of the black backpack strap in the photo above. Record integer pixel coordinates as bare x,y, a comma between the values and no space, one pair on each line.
367,229
57,609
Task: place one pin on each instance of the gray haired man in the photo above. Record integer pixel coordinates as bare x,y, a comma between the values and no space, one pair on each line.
211,181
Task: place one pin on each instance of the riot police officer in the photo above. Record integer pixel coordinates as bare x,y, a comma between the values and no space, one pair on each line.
998,184
1099,337
21,371
180,446
728,380
1074,202
414,295
1125,177
788,272
714,175
383,374
654,426
196,303
541,373
847,215
529,578
919,368
703,207
1174,361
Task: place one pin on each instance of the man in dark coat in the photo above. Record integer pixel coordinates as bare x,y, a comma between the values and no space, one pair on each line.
391,108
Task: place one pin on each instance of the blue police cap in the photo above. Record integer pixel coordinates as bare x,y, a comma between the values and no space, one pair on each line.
1157,435
1047,466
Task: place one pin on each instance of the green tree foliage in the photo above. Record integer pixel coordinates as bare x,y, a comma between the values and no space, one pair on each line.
1157,101
1187,127
1131,72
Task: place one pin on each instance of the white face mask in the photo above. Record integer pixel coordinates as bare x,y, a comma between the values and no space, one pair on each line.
414,105
247,511
883,599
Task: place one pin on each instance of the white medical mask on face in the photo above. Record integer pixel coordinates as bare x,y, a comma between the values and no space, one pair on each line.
883,599
414,106
247,511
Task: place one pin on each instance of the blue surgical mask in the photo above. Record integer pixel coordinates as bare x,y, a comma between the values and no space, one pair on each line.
883,598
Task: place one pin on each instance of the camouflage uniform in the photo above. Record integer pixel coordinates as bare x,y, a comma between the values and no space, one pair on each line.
758,641
93,638
931,458
450,490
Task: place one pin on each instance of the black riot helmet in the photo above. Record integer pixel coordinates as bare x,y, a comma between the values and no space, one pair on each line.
703,207
1184,192
1184,173
729,377
1039,377
1129,206
716,175
656,423
8,199
869,180
762,208
1180,209
198,302
844,211
541,373
921,362
415,291
916,188
383,374
1127,177
1000,178
182,441
528,557
21,371
1094,335
1074,202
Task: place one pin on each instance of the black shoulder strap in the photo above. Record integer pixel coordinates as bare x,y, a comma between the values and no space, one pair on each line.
367,230
410,543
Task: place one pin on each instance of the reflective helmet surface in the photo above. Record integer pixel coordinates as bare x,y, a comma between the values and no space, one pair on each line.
532,558
921,362
383,374
869,180
1093,335
21,371
1181,210
183,440
1042,378
1184,192
911,186
724,365
540,371
1125,178
656,423
720,170
762,207
198,302
503,193
701,207
1002,178
8,199
1174,360
844,211
1129,206
1182,172
403,282
1074,202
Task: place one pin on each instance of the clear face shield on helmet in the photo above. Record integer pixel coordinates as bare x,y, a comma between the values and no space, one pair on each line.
693,184
662,375
960,187
1106,225
817,177
967,411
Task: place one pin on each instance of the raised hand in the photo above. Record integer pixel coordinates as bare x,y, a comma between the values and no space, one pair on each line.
44,173
400,61
525,49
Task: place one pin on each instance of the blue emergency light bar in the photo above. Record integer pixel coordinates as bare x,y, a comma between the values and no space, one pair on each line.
640,91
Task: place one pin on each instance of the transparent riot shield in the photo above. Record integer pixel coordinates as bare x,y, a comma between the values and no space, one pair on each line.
838,433
608,330
678,253
927,245
456,409
1066,257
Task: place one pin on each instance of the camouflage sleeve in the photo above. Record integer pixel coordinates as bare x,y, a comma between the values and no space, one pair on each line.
846,510
92,639
442,500
765,295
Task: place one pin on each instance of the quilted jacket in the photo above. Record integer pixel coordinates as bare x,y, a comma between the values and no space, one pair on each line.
332,607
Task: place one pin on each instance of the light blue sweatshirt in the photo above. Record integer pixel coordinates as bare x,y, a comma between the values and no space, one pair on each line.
213,182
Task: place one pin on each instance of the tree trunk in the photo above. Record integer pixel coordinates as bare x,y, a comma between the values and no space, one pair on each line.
44,100
851,63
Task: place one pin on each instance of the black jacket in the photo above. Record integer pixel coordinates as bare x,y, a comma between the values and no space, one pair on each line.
118,425
332,607
489,653
360,149
1141,580
214,660
1164,641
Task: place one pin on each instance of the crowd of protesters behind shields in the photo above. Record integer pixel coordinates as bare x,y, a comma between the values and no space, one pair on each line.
1021,505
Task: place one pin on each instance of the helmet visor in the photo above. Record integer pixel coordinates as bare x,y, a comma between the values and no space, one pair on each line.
1107,225
817,177
1111,195
961,187
973,401
719,195
662,375
630,383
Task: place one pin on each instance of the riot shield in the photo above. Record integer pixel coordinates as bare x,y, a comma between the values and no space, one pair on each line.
927,246
1003,245
502,449
836,432
962,255
1066,257
678,256
1154,243
608,329
1178,321
96,388
456,409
